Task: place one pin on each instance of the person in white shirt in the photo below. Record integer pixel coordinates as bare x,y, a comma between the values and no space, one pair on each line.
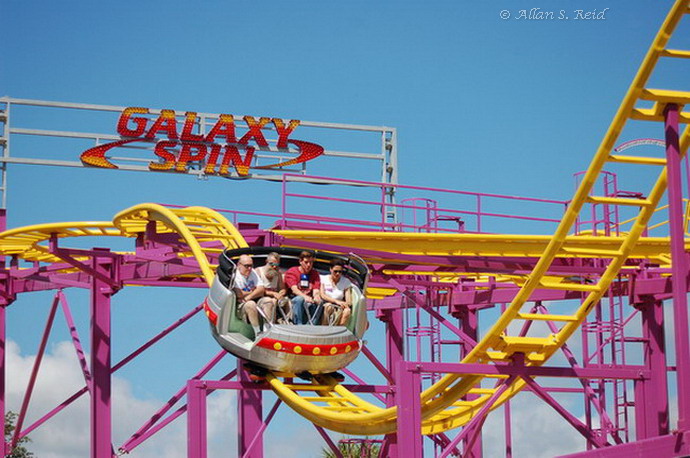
249,290
335,292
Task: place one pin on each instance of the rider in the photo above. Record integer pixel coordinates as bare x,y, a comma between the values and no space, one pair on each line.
249,290
304,285
275,290
335,291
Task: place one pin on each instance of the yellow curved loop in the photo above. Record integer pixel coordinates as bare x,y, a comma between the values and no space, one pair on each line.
194,225
28,242
219,228
204,230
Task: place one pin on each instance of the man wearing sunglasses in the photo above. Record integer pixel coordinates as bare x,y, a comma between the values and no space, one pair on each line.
335,291
304,286
249,290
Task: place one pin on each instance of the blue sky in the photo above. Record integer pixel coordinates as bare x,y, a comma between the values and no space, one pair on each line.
481,103
465,88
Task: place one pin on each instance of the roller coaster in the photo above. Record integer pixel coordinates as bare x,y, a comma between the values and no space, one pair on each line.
602,252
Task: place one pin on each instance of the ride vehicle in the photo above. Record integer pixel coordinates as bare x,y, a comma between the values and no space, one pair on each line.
287,348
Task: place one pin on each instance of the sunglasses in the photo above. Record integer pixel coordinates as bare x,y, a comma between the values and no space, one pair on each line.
339,271
247,265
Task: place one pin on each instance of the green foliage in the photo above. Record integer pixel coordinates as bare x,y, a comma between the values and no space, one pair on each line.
350,448
19,451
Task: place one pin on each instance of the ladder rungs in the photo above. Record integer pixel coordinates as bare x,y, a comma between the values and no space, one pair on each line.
568,286
676,53
338,399
638,160
482,391
512,344
344,408
593,252
546,317
463,403
618,201
499,376
666,96
306,387
651,114
503,356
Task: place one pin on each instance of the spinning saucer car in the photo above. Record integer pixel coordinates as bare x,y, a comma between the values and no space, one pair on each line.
287,348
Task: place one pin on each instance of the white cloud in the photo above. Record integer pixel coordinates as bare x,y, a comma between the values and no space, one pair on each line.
67,434
537,431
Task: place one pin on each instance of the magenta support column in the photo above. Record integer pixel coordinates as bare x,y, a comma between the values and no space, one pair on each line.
250,418
196,419
408,387
470,325
3,331
394,355
101,417
508,428
651,395
680,265
3,387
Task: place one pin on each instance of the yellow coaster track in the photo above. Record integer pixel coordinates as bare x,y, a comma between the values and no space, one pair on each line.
196,226
332,405
203,231
29,242
488,245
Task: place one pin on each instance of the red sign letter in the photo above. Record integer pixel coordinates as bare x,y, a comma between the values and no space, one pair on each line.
166,122
166,155
284,132
186,155
232,155
187,135
212,159
140,123
255,131
225,127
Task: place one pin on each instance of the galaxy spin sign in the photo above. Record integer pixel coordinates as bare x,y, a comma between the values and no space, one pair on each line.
221,151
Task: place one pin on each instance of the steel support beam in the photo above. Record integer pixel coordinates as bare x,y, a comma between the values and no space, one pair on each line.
3,335
249,418
679,264
196,419
651,396
677,444
3,322
394,355
408,387
101,389
470,327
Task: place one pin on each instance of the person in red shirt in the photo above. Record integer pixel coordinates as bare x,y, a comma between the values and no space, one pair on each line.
304,287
